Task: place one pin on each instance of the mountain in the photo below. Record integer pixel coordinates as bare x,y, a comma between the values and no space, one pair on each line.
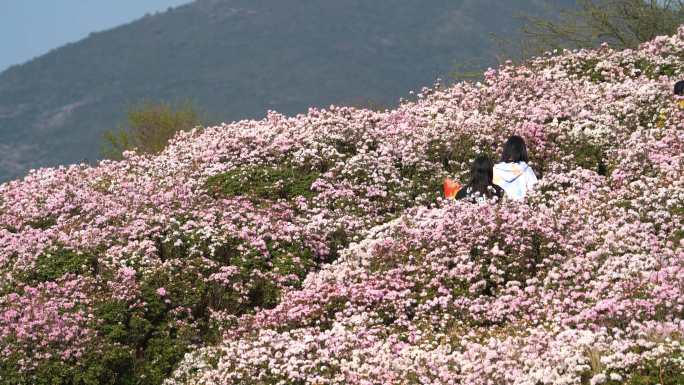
236,59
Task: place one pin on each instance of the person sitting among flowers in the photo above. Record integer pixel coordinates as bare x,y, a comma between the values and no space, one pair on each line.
679,88
513,174
481,189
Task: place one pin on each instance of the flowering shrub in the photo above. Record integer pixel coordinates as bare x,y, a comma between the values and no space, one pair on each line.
316,249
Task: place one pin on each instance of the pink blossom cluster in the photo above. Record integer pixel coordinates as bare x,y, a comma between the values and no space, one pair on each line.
581,283
46,320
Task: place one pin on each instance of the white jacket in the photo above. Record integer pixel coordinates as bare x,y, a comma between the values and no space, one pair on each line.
515,178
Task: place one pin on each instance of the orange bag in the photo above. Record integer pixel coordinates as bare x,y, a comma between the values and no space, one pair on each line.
451,188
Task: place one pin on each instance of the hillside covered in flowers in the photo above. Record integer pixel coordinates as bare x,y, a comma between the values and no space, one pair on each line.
316,249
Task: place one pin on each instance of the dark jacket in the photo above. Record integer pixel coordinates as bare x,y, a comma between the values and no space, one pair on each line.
467,193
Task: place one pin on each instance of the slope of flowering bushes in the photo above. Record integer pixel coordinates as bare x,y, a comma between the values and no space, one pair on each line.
315,250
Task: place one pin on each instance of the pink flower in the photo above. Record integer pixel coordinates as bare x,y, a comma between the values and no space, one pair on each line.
161,291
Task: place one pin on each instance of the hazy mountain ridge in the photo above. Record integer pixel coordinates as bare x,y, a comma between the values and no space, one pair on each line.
236,59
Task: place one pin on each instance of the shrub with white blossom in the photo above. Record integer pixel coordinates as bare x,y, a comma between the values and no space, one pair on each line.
316,249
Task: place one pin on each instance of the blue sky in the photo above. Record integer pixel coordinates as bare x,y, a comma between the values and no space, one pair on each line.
30,28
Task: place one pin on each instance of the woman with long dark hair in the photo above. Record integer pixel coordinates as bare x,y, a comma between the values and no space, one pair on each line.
513,174
481,189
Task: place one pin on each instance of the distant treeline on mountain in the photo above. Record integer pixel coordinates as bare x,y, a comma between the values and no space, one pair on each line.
237,59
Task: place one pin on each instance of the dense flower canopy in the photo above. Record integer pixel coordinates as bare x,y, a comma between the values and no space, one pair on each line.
316,249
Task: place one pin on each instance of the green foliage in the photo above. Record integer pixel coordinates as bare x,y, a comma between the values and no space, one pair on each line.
329,310
588,69
264,294
54,263
622,23
421,182
283,256
43,223
337,240
469,70
264,182
653,71
346,147
677,236
454,155
106,366
137,342
587,155
141,344
149,128
663,371
188,285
